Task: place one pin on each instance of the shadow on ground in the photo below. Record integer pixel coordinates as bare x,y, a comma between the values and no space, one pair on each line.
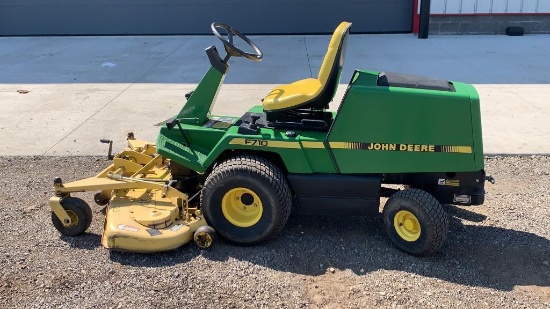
484,256
87,241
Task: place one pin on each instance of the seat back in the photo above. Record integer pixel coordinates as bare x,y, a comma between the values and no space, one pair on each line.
329,74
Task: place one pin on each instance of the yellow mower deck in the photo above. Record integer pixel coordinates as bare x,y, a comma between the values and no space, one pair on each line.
144,221
144,213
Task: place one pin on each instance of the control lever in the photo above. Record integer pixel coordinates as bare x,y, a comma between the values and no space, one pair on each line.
176,122
255,118
250,128
110,142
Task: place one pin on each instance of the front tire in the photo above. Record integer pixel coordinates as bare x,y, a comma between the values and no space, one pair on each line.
416,222
246,199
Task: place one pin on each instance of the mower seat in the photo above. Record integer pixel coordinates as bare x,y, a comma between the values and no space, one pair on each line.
313,93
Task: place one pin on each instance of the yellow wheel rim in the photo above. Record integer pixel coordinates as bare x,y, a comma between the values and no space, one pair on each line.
242,207
407,225
74,218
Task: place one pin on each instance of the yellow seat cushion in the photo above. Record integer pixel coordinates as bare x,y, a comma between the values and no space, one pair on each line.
298,93
288,95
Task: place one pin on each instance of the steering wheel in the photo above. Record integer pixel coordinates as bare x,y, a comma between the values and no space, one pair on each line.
230,48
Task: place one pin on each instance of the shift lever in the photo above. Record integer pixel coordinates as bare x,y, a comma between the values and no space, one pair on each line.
255,118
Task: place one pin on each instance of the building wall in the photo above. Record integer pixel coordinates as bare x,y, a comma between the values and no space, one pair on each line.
489,6
488,24
136,17
489,16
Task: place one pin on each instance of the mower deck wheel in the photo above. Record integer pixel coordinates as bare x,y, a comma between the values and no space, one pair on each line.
101,199
416,222
204,237
80,214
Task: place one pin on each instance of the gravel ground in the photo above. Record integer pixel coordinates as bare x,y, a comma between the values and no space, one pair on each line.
496,255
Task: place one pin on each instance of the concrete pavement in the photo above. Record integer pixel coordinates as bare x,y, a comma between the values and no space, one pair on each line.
84,88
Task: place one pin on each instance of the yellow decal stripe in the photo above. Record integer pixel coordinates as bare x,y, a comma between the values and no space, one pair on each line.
464,149
340,145
400,147
352,146
282,144
316,145
456,149
237,141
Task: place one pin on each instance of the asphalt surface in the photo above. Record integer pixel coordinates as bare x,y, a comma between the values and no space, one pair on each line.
60,95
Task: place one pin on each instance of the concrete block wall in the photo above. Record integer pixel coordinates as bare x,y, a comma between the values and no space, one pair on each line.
488,24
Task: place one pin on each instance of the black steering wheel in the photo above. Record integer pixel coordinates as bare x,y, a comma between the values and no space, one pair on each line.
230,48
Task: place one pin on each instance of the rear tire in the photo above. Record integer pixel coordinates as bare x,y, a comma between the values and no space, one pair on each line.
416,222
80,214
246,199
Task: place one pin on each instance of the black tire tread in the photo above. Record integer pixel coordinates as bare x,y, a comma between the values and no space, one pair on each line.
80,204
435,211
267,172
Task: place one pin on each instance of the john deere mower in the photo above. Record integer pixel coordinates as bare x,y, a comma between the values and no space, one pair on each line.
414,140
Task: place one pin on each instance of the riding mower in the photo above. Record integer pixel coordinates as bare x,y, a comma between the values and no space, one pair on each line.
414,140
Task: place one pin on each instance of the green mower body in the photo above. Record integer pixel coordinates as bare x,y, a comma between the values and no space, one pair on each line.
425,138
389,129
377,129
